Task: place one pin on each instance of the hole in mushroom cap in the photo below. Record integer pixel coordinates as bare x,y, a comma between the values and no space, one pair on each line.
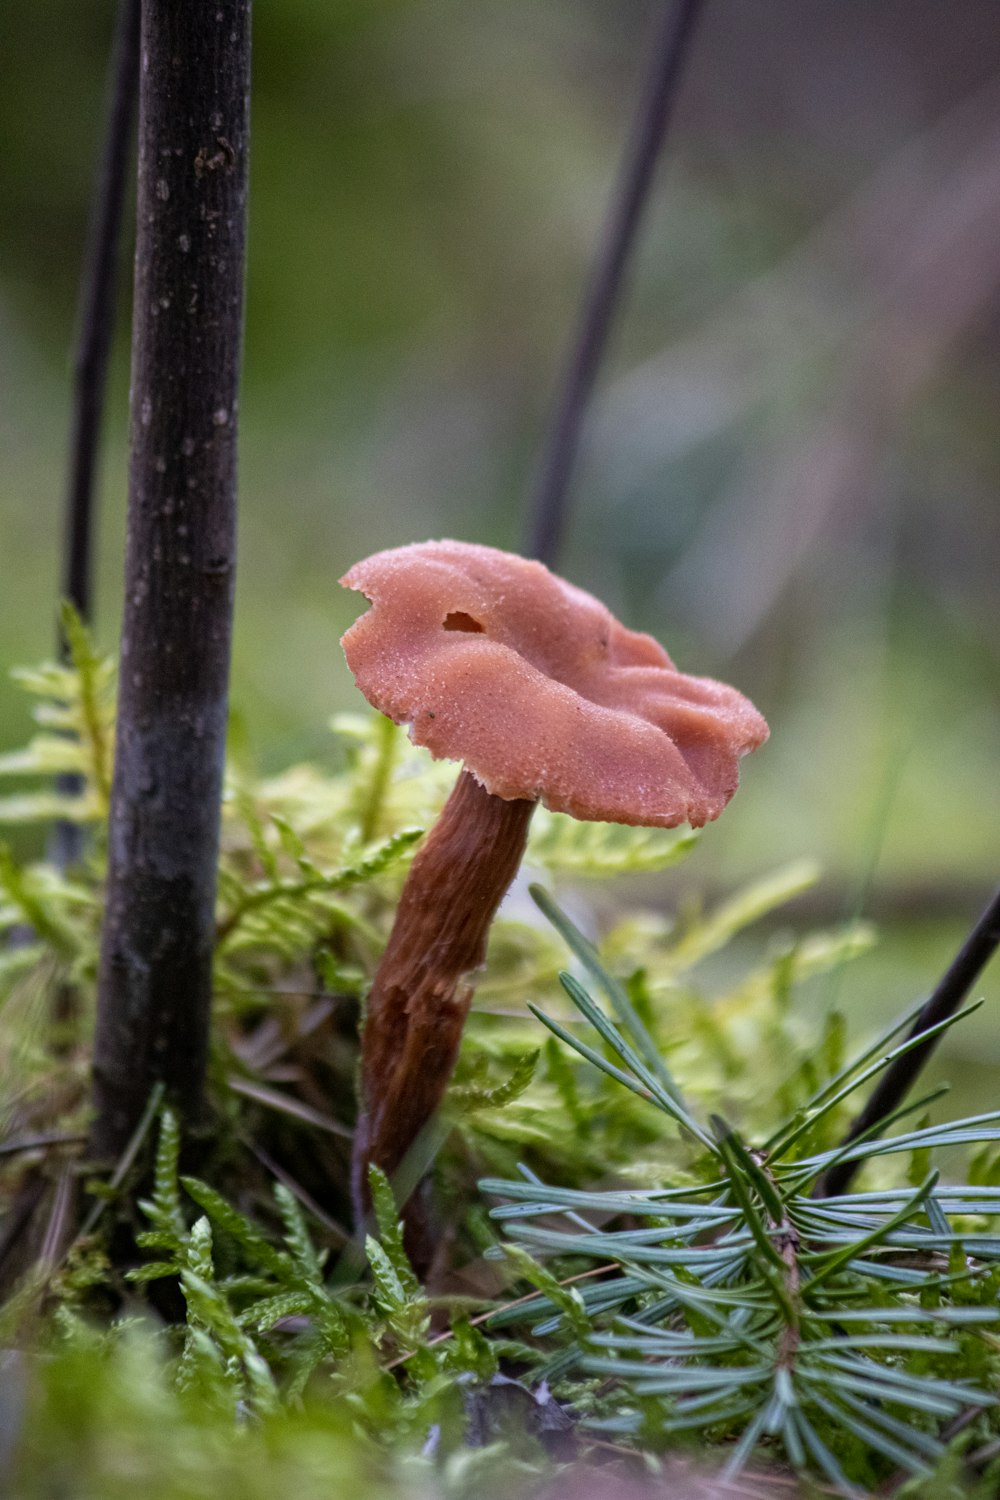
459,620
558,696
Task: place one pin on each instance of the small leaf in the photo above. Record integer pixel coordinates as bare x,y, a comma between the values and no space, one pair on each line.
598,850
278,1262
391,1232
469,1099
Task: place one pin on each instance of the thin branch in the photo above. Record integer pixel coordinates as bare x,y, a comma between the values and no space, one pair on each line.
975,1461
16,1225
287,1105
788,1245
41,1142
896,1082
668,49
57,1230
95,331
297,1190
98,285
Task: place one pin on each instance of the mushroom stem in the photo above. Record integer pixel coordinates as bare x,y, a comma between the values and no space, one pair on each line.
418,1003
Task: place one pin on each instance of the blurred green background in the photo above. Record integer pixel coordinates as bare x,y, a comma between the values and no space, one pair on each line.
790,473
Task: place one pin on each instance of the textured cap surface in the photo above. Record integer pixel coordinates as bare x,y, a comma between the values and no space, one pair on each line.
493,660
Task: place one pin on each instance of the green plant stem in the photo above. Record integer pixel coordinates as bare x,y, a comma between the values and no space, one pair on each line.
385,756
313,884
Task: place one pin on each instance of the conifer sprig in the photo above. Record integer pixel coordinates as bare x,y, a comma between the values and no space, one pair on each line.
849,1333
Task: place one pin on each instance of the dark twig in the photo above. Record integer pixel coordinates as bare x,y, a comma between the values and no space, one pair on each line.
974,1462
95,330
896,1082
98,284
668,50
154,986
43,1142
16,1226
57,1230
308,1202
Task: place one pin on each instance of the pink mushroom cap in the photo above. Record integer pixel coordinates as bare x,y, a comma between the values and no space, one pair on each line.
491,659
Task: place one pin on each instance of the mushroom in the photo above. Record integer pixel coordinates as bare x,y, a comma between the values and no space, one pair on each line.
490,659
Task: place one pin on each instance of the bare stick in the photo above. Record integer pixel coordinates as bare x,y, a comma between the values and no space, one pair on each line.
97,310
669,48
896,1082
96,326
154,990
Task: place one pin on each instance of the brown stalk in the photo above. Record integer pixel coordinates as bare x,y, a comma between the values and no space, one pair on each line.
787,1244
418,1002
